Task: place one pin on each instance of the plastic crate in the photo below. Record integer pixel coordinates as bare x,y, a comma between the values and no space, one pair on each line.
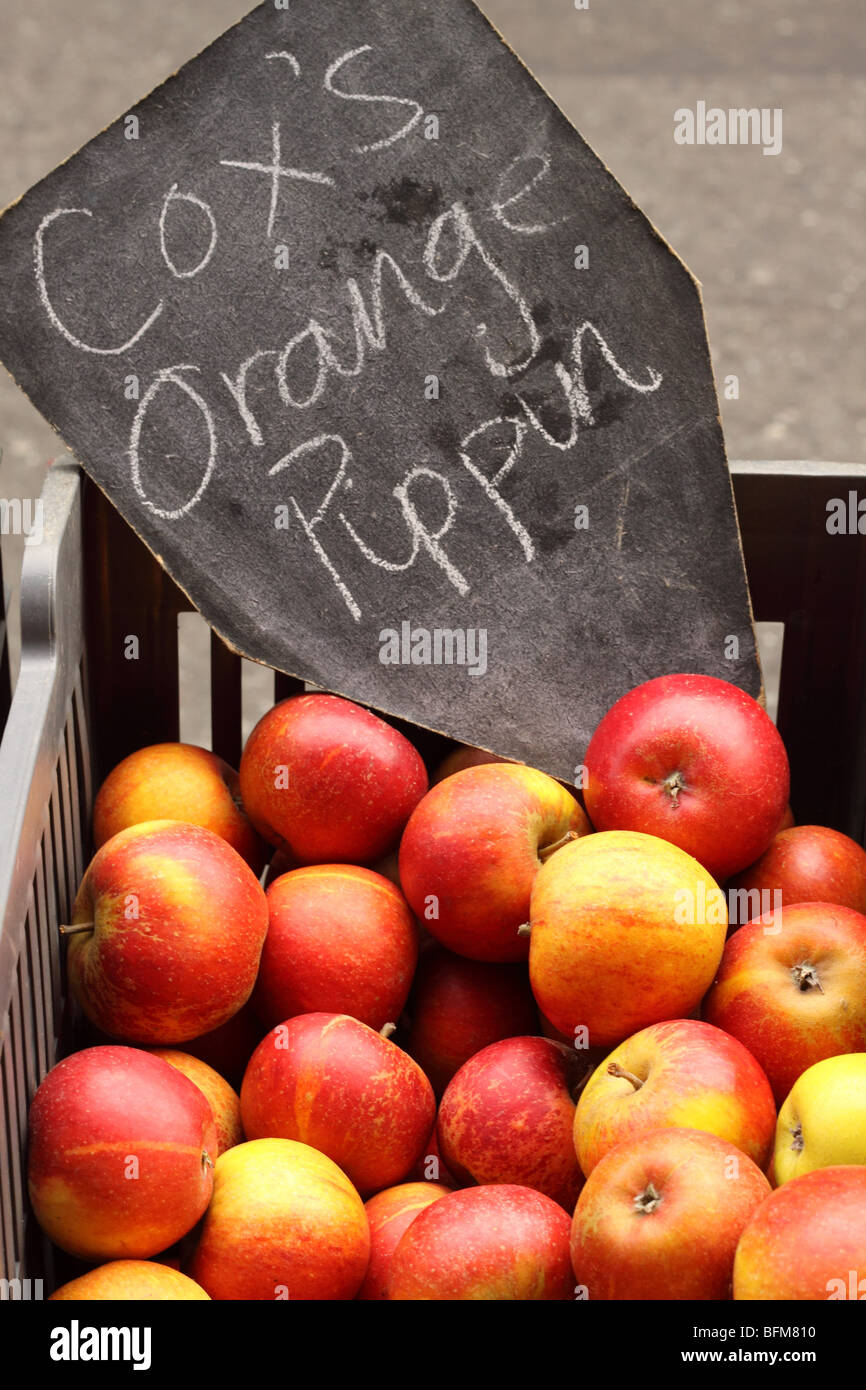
80,705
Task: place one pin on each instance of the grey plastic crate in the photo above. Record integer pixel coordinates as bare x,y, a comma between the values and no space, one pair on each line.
45,777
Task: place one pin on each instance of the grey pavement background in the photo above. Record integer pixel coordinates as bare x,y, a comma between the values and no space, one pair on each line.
777,242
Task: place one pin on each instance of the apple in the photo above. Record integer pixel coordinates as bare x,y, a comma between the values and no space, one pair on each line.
792,988
121,1156
281,862
430,1167
177,921
471,851
229,1047
340,939
693,760
682,1073
823,1122
328,782
458,1006
225,1103
508,1117
327,1080
807,1241
660,1217
137,1281
626,930
807,864
787,820
390,1214
501,1243
284,1223
177,781
463,756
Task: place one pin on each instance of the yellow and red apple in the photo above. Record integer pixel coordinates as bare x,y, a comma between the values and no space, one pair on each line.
626,930
503,1243
137,1281
807,1241
458,1006
682,1073
229,1047
177,781
507,1116
792,988
121,1154
807,864
225,1103
694,760
660,1217
284,1224
177,921
472,849
463,756
823,1121
329,1081
341,939
329,782
390,1214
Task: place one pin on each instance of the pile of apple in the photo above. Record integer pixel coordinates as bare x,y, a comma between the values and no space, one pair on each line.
526,1059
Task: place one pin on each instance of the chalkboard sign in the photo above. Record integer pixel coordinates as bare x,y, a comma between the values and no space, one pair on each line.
391,374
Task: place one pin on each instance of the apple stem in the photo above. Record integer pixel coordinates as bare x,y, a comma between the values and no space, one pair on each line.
806,977
77,927
547,850
614,1069
673,785
524,929
647,1201
387,1029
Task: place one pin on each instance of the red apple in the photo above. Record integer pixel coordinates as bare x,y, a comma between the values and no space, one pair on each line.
341,940
225,1104
122,1150
626,930
792,988
458,1006
177,781
178,924
284,1223
484,1243
327,1080
463,756
136,1281
390,1214
807,864
229,1047
807,1241
281,863
328,782
693,760
660,1217
472,849
508,1117
682,1073
431,1166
